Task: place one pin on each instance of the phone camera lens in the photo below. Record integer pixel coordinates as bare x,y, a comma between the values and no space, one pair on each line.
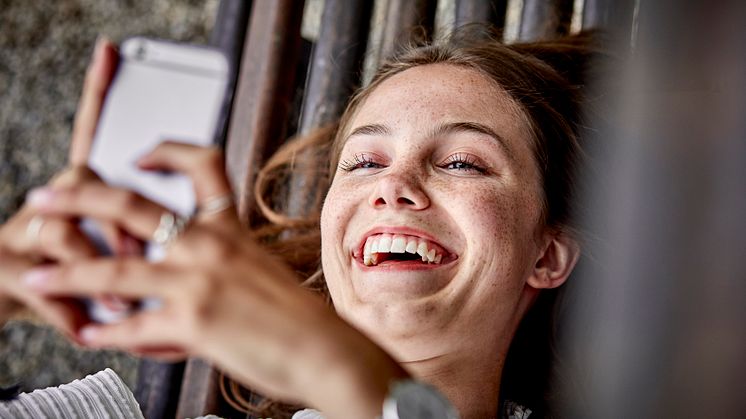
140,52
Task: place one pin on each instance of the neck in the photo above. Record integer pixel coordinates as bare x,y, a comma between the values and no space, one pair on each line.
471,381
464,363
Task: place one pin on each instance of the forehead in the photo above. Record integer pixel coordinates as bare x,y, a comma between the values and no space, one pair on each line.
442,93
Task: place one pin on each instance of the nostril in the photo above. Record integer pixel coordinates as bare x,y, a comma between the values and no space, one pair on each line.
405,201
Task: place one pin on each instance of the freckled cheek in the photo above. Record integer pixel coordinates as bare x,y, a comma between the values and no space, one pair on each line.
340,205
332,233
499,221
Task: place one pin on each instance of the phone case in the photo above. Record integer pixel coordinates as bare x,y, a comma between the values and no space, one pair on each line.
161,91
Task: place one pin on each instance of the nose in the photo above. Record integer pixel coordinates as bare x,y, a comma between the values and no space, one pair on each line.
399,191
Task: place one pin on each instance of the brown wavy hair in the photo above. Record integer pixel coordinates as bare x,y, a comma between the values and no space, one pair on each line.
547,80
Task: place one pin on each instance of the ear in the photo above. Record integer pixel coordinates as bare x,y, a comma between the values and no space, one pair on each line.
555,263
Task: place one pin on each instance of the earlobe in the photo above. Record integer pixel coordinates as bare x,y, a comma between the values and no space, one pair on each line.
555,262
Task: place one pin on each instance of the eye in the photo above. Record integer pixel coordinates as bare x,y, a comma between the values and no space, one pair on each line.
463,162
359,161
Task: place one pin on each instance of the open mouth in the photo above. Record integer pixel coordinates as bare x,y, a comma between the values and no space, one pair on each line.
402,248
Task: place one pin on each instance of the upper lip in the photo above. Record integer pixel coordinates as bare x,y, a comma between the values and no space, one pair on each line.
358,252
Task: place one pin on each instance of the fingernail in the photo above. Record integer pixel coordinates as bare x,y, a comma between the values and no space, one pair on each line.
40,197
37,278
88,334
99,48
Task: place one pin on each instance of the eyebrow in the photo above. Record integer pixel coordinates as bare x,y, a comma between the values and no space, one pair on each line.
371,129
440,130
472,127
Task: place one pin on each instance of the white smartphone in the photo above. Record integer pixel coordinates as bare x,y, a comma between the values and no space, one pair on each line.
161,91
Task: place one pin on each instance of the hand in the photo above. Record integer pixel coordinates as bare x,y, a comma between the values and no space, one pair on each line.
224,297
27,240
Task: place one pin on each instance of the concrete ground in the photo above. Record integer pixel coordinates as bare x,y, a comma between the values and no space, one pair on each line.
44,49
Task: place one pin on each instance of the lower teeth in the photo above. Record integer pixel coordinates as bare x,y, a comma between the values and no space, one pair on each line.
372,260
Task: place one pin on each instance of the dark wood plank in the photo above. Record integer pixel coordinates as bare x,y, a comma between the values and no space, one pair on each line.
266,53
158,385
228,34
200,392
480,11
403,17
198,395
335,72
336,61
544,19
229,30
264,93
609,15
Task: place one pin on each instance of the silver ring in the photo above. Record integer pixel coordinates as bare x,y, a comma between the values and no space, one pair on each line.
215,205
33,229
169,228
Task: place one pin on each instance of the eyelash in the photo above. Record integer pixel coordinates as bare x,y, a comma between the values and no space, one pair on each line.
467,160
362,161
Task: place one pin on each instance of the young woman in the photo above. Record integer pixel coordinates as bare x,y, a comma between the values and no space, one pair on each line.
445,227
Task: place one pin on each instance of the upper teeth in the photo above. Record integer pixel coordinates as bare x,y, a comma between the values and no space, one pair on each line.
398,243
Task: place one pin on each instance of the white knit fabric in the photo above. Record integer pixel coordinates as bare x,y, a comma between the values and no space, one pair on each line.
307,414
99,396
105,396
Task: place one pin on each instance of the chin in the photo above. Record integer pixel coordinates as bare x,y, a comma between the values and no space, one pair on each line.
401,321
397,286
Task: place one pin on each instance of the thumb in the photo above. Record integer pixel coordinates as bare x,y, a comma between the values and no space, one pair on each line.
205,166
97,80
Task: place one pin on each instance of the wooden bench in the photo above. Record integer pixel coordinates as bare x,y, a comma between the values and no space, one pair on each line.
273,66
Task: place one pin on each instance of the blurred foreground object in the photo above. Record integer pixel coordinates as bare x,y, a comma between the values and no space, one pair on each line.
658,330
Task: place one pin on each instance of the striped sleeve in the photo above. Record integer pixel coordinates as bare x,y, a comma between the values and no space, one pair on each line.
99,396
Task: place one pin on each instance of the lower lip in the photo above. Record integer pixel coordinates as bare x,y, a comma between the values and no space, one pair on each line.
408,265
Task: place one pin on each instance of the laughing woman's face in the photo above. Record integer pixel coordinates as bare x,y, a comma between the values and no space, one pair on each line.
430,226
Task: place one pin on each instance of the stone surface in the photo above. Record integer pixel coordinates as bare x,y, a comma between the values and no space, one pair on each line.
44,49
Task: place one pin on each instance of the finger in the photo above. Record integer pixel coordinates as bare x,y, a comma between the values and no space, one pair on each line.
98,78
12,267
142,330
118,241
74,175
61,240
205,166
126,209
9,308
160,353
63,314
26,231
16,235
132,278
